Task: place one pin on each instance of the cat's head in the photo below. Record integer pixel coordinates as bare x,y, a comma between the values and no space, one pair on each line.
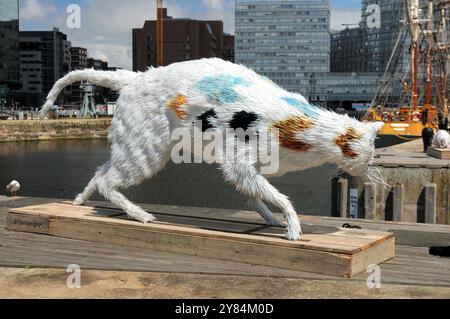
356,144
329,137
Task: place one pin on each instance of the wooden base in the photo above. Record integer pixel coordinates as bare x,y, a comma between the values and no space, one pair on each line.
441,153
324,250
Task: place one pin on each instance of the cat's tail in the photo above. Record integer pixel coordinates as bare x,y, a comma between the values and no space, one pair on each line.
115,80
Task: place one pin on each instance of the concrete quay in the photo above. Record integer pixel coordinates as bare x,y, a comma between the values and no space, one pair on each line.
60,129
417,190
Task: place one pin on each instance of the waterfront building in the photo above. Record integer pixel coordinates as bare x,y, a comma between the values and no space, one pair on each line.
287,41
228,47
78,62
351,90
45,57
368,48
97,64
9,50
79,58
184,39
381,39
349,51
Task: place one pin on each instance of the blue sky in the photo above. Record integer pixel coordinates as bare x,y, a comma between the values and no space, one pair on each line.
106,24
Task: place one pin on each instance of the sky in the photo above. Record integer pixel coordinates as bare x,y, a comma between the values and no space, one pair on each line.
106,24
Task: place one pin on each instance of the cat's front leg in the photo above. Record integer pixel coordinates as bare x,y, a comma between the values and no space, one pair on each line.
243,174
265,213
294,228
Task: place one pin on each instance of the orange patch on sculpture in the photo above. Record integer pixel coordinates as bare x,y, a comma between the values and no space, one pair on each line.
287,130
344,140
176,104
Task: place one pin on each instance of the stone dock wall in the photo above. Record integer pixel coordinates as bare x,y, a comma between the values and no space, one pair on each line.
36,130
416,190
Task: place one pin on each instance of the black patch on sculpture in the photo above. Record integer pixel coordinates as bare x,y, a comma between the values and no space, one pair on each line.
243,120
205,118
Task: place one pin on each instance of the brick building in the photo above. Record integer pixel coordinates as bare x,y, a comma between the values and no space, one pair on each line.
184,39
79,62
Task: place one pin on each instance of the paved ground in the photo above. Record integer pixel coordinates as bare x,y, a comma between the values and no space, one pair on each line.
48,283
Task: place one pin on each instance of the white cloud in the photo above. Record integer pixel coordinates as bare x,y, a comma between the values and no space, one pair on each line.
107,27
213,4
340,17
107,24
218,10
35,10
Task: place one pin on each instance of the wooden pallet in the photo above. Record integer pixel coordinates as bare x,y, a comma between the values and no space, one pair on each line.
441,153
324,250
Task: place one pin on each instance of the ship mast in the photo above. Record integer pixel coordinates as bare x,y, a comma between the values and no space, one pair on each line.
443,47
430,37
438,50
413,22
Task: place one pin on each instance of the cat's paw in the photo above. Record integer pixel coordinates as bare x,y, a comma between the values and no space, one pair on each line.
293,232
146,218
79,200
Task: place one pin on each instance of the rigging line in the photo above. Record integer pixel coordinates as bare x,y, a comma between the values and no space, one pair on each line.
382,79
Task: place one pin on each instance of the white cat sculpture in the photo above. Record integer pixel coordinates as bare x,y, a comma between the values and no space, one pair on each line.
222,95
442,139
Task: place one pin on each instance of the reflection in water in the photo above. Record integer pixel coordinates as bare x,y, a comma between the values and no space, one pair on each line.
61,169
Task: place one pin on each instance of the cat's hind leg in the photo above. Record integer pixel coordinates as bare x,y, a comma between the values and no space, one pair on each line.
140,148
108,184
90,188
265,213
130,167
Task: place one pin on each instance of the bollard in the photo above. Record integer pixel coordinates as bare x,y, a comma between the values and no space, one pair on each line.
430,203
370,200
398,202
343,196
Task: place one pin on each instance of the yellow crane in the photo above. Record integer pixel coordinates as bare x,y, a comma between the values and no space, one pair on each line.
160,33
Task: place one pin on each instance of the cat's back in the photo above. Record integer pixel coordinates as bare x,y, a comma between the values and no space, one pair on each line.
198,69
226,86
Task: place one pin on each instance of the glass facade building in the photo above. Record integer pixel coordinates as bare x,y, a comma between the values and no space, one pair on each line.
45,57
9,47
381,41
368,48
287,41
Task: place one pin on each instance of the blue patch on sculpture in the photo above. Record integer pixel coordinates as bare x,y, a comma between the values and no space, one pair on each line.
303,106
221,88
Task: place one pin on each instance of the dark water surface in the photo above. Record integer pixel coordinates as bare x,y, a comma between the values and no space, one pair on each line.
61,169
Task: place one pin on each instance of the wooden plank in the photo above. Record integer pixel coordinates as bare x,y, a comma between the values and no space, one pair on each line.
330,253
32,224
25,249
98,215
362,260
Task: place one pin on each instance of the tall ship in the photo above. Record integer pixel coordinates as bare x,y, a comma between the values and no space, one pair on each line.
423,80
